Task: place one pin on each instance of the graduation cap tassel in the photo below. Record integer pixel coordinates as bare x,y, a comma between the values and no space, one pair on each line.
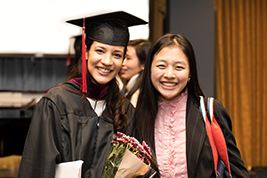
84,81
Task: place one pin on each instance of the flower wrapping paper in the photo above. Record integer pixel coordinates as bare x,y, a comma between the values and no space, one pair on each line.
128,158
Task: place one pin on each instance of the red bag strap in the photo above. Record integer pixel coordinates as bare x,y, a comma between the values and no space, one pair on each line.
218,136
215,134
209,132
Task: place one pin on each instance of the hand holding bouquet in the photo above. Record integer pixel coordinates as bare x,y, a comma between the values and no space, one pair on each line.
128,158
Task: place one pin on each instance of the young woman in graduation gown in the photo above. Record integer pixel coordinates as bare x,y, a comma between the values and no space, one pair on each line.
77,119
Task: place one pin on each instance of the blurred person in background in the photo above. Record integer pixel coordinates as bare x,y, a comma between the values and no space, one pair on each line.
132,68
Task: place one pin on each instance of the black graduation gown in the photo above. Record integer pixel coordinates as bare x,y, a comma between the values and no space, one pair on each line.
57,135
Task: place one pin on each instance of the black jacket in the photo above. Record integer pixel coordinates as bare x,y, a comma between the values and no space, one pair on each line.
57,135
198,150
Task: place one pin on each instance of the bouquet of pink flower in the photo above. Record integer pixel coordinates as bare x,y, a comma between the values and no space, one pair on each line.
128,158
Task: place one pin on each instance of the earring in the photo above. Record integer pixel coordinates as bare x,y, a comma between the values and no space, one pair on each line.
188,79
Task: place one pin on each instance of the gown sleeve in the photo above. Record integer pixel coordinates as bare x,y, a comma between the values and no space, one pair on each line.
236,164
42,144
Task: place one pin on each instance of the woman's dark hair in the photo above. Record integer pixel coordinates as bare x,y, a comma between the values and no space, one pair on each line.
114,99
147,104
141,47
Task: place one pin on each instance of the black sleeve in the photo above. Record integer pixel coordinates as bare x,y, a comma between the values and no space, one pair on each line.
130,113
236,164
42,143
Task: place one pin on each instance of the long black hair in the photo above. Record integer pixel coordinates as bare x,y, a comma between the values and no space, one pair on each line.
147,105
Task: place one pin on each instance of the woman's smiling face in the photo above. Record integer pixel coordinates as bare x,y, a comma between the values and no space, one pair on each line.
170,73
104,61
130,65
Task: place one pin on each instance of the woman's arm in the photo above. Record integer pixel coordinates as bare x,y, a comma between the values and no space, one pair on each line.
42,143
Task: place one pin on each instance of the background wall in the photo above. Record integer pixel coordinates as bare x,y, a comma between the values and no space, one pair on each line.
194,19
35,38
39,27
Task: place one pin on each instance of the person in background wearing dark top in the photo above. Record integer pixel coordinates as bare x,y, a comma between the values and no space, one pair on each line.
78,47
72,122
168,117
133,66
78,52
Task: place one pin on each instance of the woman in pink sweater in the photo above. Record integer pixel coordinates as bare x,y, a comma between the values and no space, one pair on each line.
168,118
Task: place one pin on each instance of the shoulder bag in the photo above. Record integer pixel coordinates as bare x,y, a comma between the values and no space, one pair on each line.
216,139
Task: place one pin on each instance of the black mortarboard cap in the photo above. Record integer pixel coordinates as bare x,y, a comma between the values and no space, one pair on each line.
109,28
